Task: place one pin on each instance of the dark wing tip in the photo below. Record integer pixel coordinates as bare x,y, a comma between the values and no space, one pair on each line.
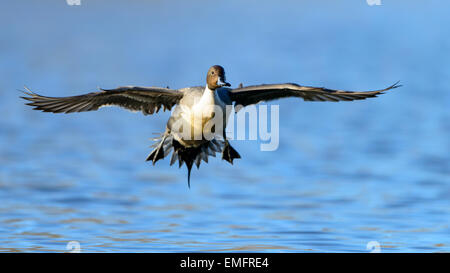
28,95
395,85
28,92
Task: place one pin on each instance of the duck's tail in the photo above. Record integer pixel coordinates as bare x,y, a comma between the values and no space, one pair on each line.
189,155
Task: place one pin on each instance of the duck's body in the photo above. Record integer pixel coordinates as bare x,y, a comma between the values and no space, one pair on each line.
189,131
198,107
198,104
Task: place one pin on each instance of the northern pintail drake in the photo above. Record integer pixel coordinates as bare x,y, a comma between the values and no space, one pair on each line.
200,103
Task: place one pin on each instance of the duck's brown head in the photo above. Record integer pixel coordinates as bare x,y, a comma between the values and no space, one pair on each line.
216,77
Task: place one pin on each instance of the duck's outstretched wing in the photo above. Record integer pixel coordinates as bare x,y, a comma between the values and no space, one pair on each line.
253,94
146,99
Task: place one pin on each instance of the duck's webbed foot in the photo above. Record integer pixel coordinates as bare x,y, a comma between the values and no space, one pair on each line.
158,152
229,153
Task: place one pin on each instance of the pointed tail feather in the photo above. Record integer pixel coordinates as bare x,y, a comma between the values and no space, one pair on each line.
189,155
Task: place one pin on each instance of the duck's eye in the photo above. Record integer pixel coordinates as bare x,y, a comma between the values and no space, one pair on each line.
212,72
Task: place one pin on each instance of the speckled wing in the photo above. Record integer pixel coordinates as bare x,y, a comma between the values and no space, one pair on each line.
266,92
146,99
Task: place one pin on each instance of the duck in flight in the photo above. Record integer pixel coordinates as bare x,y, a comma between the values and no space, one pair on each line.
187,143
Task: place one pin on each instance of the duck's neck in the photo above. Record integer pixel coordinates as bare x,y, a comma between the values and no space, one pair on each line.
207,97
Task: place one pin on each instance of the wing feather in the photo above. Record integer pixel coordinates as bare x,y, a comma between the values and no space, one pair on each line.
266,92
149,100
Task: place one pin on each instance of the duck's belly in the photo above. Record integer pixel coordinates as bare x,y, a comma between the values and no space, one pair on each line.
197,125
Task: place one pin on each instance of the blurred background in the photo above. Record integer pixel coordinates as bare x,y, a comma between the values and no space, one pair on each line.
345,174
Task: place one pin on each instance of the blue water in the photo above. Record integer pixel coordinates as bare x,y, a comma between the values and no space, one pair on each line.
345,174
